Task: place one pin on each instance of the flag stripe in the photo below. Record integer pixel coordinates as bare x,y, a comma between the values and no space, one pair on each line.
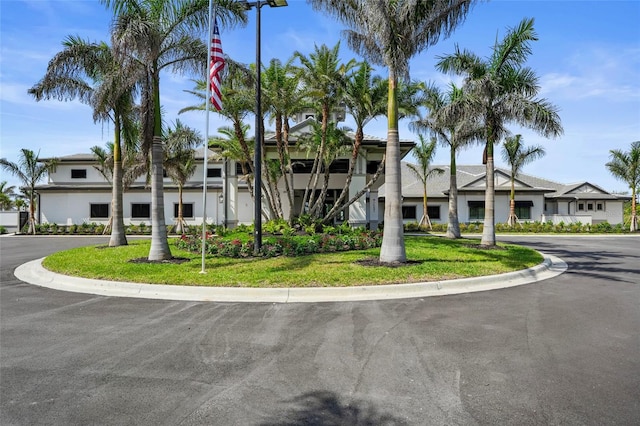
216,66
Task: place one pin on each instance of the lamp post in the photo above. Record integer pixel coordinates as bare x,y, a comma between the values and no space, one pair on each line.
257,158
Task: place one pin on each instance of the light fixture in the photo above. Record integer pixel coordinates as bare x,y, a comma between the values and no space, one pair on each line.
257,159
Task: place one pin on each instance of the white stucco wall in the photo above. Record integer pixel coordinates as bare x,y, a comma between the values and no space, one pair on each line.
74,208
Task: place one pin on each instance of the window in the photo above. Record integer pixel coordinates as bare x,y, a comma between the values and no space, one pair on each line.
214,173
580,207
433,212
78,173
600,207
590,206
523,209
372,167
239,171
140,210
409,212
339,166
476,210
99,211
187,210
302,166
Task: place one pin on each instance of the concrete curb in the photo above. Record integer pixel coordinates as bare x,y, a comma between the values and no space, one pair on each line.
34,273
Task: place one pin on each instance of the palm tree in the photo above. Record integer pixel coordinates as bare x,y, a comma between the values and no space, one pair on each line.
7,193
446,122
179,161
90,72
153,36
365,97
284,96
517,156
502,90
29,170
323,76
424,153
626,167
336,143
390,33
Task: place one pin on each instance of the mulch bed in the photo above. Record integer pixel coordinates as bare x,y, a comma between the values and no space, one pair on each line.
174,260
373,261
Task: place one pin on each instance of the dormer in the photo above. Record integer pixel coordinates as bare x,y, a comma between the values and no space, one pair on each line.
336,116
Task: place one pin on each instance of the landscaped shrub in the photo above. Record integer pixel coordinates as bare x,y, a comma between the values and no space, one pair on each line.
236,244
3,230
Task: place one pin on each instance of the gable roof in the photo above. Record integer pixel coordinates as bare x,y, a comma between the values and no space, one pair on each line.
472,178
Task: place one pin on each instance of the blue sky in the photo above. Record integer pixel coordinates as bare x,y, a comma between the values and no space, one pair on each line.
587,58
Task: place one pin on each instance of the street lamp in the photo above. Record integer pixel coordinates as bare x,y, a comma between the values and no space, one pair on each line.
257,159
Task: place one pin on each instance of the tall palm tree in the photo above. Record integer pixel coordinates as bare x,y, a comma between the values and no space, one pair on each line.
7,193
365,97
179,161
284,96
324,77
445,120
29,170
90,72
626,167
153,36
424,153
517,156
390,33
502,91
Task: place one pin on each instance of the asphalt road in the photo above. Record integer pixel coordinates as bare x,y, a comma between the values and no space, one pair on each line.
561,351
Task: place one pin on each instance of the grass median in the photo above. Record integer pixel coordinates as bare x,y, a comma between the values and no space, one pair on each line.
430,258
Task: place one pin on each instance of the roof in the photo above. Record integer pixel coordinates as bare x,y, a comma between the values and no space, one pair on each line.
90,158
471,178
305,126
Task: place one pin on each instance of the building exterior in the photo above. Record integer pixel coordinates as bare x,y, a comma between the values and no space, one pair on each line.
76,192
536,199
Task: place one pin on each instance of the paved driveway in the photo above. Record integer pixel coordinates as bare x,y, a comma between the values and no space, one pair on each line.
561,351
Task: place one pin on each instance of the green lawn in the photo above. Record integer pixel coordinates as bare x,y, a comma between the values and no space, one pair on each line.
431,258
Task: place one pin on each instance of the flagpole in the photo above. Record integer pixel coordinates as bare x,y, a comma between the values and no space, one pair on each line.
206,138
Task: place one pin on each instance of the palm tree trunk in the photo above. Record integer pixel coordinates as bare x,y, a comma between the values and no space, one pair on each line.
392,249
159,244
180,225
32,213
633,227
118,235
512,206
359,136
489,232
425,208
453,227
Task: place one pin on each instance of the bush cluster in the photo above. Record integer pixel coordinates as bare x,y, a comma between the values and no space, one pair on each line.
529,227
281,240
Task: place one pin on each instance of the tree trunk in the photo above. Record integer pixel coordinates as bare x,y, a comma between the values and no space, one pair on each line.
118,235
159,244
32,213
180,224
489,232
425,209
338,205
393,250
633,227
513,219
453,226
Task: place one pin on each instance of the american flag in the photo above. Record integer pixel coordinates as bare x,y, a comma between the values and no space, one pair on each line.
216,66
